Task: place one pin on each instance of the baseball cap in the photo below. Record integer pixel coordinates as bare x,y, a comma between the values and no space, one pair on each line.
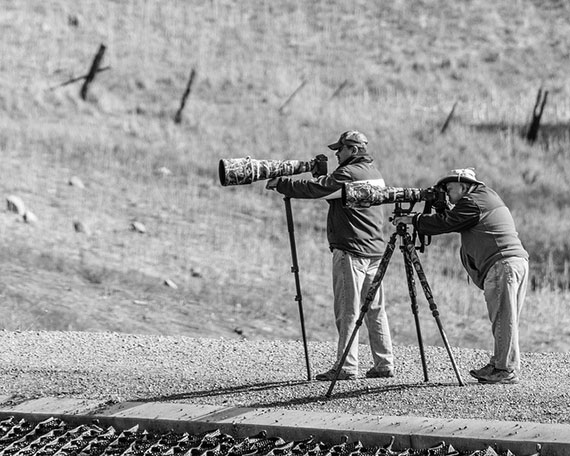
349,138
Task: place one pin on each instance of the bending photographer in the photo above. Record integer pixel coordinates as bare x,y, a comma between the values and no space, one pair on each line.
357,243
494,258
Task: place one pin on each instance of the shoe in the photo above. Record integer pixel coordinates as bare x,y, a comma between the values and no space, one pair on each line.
375,373
485,370
499,376
331,374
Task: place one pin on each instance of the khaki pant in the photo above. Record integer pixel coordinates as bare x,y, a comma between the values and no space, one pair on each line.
505,291
352,277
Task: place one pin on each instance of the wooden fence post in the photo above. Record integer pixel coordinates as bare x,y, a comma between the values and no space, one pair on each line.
449,117
532,132
79,78
339,89
297,90
92,71
178,116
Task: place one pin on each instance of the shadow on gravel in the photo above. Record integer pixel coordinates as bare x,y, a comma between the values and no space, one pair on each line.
220,391
272,389
367,391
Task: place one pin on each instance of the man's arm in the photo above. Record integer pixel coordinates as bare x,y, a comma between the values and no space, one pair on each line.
464,215
323,187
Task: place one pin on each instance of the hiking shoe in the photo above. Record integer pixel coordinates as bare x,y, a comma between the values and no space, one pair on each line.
499,376
485,370
331,374
375,373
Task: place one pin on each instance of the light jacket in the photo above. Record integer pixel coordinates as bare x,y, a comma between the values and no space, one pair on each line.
487,229
358,231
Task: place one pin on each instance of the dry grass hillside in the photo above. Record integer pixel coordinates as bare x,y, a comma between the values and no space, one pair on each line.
390,69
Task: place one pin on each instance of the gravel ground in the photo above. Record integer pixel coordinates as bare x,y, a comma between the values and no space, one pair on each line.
115,367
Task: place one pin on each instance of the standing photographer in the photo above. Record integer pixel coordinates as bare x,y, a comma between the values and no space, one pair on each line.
357,243
494,258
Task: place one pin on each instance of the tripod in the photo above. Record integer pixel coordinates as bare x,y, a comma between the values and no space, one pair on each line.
411,262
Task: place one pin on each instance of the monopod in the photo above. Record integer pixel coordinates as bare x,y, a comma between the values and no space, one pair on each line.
295,270
246,170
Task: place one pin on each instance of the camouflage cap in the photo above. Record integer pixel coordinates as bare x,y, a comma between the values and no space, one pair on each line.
349,138
466,175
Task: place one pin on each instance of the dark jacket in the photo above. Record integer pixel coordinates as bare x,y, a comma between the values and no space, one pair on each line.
487,231
355,230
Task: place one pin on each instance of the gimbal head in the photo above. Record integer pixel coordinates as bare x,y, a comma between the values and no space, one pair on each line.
400,211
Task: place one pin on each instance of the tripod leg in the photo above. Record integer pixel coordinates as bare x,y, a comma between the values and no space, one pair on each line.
295,270
414,303
369,298
411,251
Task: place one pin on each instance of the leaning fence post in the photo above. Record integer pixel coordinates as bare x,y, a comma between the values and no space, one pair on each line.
79,78
92,71
297,90
449,117
178,116
532,132
339,89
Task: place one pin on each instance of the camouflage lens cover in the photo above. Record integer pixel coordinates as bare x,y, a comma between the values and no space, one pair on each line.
366,194
241,171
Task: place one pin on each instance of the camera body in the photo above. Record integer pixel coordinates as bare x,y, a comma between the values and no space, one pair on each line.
366,193
241,171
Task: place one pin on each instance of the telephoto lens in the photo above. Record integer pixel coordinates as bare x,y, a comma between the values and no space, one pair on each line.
242,171
369,193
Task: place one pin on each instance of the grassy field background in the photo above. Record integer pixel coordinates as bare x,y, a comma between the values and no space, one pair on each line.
400,67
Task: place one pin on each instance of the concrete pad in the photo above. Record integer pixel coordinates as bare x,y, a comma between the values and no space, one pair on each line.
185,412
51,406
409,432
160,416
521,438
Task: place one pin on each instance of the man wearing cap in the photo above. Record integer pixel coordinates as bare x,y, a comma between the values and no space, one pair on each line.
357,244
494,258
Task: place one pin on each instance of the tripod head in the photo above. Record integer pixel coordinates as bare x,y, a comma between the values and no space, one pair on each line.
402,228
400,210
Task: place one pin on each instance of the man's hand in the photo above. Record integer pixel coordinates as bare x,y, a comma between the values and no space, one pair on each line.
407,219
272,184
319,165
